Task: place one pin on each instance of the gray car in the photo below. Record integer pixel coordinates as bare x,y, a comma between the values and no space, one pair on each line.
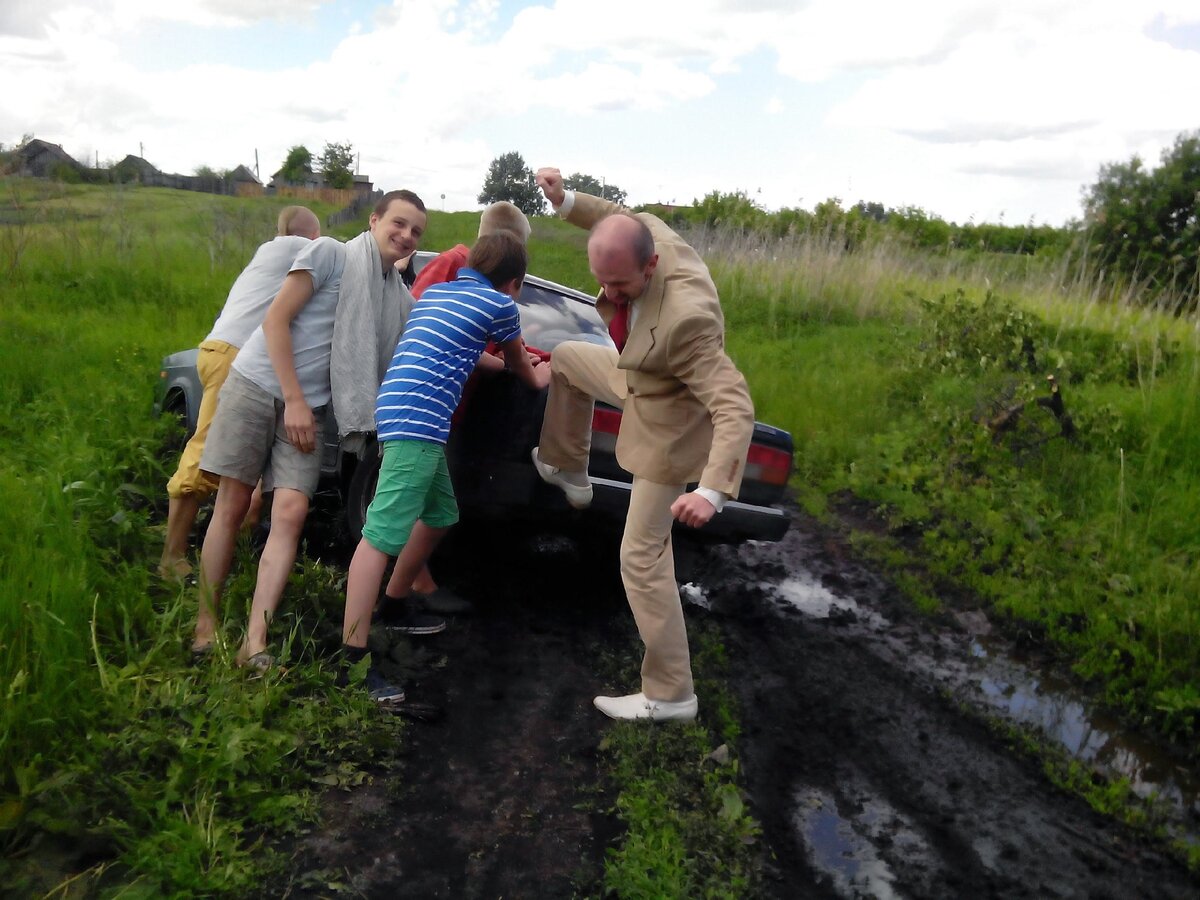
498,425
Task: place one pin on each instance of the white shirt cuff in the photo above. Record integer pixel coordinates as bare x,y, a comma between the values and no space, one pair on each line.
716,498
567,205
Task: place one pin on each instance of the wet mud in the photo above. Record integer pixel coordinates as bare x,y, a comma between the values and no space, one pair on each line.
865,758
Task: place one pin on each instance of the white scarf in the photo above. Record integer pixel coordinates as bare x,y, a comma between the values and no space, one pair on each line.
371,313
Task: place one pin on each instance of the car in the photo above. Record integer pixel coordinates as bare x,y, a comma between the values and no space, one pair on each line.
498,426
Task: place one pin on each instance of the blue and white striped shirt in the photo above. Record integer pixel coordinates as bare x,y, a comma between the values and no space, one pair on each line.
446,332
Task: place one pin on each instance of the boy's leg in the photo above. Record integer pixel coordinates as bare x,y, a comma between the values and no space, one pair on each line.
412,481
423,583
190,485
181,517
289,509
216,555
362,586
412,566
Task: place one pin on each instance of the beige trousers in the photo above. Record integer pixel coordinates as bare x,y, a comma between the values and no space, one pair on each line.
582,373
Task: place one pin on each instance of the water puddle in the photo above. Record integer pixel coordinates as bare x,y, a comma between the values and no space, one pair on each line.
986,670
851,841
1057,709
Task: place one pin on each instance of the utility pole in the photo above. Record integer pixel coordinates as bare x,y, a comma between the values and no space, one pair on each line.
256,175
141,150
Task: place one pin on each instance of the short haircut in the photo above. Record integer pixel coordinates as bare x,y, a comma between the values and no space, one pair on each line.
386,200
499,257
503,214
287,221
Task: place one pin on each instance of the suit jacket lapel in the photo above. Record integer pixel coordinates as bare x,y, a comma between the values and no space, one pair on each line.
647,310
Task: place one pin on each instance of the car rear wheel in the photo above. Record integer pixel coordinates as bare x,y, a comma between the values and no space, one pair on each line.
361,490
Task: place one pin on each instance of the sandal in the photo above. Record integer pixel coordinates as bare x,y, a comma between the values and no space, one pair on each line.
201,653
260,662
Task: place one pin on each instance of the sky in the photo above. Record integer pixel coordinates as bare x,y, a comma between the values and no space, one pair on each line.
973,110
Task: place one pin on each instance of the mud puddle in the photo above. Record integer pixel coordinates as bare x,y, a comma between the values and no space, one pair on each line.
979,667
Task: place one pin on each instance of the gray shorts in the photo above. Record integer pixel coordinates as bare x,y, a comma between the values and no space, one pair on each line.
248,441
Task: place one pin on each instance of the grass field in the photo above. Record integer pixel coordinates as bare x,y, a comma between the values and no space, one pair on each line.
886,366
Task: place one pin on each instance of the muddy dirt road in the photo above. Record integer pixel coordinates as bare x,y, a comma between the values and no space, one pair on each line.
867,777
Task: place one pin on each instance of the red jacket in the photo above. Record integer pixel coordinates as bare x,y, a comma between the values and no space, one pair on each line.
443,267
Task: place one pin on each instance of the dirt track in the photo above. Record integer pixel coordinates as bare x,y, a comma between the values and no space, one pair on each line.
868,780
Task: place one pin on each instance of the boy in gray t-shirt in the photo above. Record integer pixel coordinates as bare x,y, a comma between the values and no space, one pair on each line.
244,309
269,420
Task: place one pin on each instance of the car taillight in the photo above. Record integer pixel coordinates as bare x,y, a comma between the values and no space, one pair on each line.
606,421
768,465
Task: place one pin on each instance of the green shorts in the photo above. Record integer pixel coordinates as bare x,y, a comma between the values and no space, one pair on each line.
414,483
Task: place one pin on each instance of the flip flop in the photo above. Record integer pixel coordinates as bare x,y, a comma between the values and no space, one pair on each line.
201,653
261,663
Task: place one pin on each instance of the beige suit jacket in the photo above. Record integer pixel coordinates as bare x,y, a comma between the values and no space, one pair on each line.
688,416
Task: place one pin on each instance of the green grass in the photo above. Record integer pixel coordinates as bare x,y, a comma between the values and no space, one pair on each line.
173,780
688,831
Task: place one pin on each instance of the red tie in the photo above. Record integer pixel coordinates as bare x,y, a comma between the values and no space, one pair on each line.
618,328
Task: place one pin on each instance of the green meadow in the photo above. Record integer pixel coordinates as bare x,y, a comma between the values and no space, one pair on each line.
911,382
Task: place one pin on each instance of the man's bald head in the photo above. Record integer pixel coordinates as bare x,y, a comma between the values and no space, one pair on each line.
300,221
621,256
622,232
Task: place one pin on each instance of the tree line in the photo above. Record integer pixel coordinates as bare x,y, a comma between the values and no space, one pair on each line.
1140,224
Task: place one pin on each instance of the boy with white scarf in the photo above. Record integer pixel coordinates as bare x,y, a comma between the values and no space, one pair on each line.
328,335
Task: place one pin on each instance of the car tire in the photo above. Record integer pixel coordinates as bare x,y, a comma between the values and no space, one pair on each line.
361,489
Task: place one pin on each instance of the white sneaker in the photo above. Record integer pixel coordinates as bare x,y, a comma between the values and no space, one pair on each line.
639,706
574,484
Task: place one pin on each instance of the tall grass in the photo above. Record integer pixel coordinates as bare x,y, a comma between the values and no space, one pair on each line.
1090,542
106,736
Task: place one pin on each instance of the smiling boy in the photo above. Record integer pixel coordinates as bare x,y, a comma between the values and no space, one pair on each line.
341,307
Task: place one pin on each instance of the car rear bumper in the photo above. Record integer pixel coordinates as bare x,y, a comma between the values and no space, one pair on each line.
502,490
735,523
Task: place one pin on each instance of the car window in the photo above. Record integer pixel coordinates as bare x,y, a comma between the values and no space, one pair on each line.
548,318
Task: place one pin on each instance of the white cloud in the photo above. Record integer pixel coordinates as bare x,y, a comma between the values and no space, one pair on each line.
925,102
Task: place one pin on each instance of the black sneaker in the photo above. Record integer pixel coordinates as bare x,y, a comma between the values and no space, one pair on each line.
380,689
400,616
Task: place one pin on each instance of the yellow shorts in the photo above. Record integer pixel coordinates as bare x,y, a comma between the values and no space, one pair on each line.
212,365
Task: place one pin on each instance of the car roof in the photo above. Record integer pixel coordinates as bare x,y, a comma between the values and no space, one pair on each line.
424,256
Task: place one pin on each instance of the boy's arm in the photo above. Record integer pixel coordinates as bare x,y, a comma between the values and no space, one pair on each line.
298,419
516,359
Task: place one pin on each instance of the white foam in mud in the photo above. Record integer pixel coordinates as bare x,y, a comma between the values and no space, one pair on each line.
694,594
810,597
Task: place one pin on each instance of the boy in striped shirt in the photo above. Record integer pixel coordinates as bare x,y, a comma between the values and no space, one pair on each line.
443,339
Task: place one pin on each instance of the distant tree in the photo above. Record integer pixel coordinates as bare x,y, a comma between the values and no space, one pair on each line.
508,178
297,165
920,228
586,184
337,165
734,210
1145,224
873,211
203,171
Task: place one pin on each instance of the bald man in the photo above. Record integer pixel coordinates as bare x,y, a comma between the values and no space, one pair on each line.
687,417
243,312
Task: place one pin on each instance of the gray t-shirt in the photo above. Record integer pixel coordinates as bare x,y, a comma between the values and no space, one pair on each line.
312,329
255,288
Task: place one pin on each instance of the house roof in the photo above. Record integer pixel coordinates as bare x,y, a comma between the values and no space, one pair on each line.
37,147
242,173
